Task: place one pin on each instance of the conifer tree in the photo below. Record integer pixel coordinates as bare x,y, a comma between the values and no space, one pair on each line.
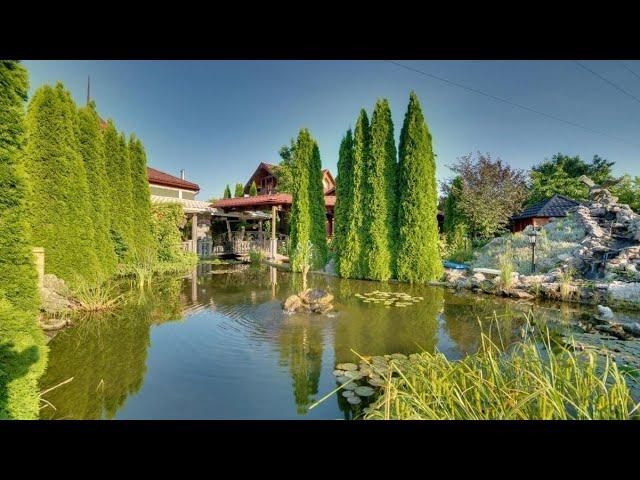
379,196
239,190
317,208
253,189
18,275
351,258
120,197
145,247
91,145
343,197
60,217
227,192
300,218
418,251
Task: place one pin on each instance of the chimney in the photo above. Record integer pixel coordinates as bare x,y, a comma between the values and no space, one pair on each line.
182,173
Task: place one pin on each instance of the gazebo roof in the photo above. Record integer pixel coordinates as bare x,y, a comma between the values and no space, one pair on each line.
189,206
556,206
265,201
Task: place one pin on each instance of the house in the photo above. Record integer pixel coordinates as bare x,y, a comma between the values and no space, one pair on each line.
542,212
266,180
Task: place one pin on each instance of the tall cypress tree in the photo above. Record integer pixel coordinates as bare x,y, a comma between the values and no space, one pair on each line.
300,218
318,209
344,184
91,144
61,211
253,189
351,259
239,190
227,192
144,245
379,192
418,253
120,197
18,277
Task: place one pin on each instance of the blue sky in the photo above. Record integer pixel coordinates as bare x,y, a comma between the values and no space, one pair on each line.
219,119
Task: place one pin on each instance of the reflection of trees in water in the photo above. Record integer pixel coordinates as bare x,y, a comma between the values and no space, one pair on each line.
300,348
467,315
372,329
106,354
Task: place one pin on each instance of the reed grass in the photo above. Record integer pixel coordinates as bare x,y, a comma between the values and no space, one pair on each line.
95,296
534,379
506,269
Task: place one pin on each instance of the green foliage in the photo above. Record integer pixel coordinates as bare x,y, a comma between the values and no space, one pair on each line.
308,211
60,214
166,220
628,191
227,192
344,195
142,239
506,268
239,190
119,191
453,215
379,197
253,189
91,145
350,262
490,192
18,277
536,380
95,296
418,253
561,174
23,357
285,170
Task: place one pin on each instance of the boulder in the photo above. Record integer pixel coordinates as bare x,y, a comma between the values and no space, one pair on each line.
309,301
54,295
605,312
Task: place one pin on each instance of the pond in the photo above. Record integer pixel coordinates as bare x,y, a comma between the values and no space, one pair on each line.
217,345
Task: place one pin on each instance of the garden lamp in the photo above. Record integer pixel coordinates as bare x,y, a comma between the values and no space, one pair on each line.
533,238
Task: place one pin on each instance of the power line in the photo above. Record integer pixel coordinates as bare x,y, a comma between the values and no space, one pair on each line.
628,69
607,80
504,100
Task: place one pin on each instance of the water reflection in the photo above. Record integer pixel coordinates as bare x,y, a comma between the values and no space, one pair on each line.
234,354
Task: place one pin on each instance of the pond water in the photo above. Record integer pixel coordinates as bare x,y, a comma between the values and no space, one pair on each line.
218,346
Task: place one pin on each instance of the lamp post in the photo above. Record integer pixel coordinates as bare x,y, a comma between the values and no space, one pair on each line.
533,237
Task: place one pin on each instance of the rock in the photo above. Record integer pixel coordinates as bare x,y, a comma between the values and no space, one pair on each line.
632,328
292,304
478,277
605,312
521,295
622,291
316,296
309,301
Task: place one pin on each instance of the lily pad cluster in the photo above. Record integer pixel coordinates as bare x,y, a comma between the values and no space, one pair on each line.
389,299
362,381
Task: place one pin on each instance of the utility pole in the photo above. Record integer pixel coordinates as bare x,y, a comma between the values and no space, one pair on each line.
88,89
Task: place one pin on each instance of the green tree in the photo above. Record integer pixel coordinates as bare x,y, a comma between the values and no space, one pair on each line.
23,353
418,252
379,197
239,190
253,189
305,218
490,192
144,245
561,174
284,171
351,263
18,277
91,144
628,191
344,194
227,192
454,225
120,197
61,210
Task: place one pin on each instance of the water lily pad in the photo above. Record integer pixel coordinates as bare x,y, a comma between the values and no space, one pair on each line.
350,386
338,373
348,393
377,382
343,379
354,400
400,356
347,366
364,391
353,374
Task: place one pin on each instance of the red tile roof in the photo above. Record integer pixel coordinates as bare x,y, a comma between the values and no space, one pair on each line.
160,178
264,200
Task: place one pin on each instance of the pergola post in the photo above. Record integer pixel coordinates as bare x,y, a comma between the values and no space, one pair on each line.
274,241
194,233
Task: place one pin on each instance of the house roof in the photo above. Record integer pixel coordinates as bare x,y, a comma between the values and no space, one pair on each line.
189,206
265,201
556,206
160,178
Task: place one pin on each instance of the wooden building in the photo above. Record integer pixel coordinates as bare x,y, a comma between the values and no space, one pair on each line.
542,212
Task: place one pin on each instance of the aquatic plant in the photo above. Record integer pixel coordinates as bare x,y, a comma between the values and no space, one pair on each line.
567,290
256,256
535,379
94,296
506,269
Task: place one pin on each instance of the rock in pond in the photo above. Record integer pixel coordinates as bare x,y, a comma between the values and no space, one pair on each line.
605,312
309,301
